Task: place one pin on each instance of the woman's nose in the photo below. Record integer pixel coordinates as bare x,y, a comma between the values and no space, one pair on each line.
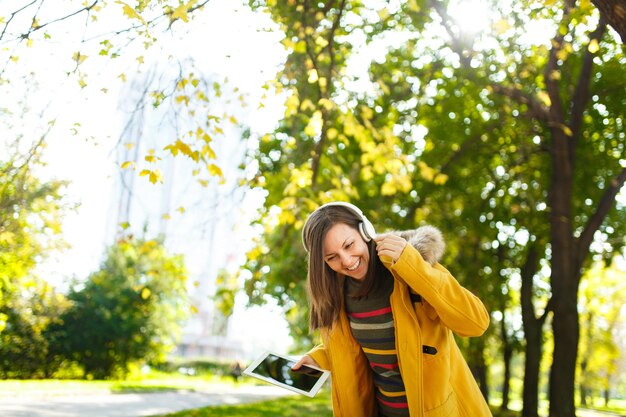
345,259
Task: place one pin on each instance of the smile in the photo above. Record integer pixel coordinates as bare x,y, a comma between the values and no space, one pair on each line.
355,266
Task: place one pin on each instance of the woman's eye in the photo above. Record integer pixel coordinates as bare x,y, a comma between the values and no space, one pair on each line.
349,244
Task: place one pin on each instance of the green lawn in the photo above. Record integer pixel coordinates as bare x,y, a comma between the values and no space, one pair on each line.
290,406
155,381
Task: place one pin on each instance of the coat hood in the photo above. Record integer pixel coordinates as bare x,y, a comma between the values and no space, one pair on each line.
428,240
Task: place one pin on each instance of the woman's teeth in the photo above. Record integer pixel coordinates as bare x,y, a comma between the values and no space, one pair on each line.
355,266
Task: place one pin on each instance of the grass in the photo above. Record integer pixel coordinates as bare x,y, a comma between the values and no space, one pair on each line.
152,382
290,406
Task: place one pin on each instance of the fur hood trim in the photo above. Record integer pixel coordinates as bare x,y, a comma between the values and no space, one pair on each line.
428,240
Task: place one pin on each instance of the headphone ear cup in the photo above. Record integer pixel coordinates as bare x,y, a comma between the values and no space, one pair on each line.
367,230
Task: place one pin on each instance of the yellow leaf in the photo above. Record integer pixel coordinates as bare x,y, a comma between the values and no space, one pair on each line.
130,12
313,77
215,170
388,189
129,145
14,58
145,293
78,57
194,309
128,164
182,98
440,179
555,75
314,127
593,46
567,130
183,147
544,98
144,172
502,26
155,176
413,6
180,13
150,158
181,210
166,216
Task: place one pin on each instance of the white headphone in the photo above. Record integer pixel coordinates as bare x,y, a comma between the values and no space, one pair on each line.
365,226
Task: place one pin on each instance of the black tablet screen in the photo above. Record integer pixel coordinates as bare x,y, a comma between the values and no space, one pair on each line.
279,369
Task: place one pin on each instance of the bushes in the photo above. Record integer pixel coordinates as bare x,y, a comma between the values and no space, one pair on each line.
127,312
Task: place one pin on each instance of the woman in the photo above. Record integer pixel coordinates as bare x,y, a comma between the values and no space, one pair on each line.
387,311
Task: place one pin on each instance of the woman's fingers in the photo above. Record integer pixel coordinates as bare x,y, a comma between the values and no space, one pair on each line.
305,360
390,245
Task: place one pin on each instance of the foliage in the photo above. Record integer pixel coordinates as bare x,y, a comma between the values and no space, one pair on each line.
603,298
505,140
30,224
129,311
93,36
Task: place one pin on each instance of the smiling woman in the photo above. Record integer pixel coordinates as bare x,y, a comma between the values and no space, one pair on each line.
386,310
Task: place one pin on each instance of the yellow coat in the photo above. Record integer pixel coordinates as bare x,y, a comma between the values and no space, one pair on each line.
439,385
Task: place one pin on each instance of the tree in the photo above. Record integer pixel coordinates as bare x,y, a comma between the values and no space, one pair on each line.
492,132
129,311
603,297
30,224
99,38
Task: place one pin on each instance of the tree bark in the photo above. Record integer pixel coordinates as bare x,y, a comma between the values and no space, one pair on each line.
533,329
614,12
508,355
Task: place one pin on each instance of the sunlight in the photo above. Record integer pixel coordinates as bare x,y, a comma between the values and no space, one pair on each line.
472,16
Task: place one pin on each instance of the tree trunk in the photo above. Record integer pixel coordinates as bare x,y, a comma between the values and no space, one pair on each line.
584,360
564,281
506,386
477,364
614,11
533,329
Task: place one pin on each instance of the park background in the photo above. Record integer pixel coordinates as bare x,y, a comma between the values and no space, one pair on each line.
159,159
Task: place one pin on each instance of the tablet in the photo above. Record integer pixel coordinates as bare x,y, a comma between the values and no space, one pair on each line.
276,369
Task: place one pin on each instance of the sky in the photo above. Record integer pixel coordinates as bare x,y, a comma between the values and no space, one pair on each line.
228,42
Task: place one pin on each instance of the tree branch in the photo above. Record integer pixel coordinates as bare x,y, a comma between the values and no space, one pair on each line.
535,107
458,44
594,222
319,146
581,95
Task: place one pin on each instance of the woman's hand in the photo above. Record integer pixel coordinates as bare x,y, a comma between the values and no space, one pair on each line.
390,245
306,360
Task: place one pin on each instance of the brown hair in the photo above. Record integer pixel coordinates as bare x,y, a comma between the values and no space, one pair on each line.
325,286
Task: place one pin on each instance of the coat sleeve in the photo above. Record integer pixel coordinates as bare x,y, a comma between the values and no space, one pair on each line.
320,355
457,307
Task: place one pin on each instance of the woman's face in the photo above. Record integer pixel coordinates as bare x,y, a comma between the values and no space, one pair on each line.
345,251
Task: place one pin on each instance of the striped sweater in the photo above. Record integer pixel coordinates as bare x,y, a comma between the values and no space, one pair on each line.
371,322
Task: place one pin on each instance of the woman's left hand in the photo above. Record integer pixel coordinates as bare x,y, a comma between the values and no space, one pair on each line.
390,245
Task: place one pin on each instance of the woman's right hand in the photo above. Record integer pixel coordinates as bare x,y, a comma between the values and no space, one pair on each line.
305,360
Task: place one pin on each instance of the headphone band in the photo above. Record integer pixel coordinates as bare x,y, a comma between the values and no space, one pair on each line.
366,229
